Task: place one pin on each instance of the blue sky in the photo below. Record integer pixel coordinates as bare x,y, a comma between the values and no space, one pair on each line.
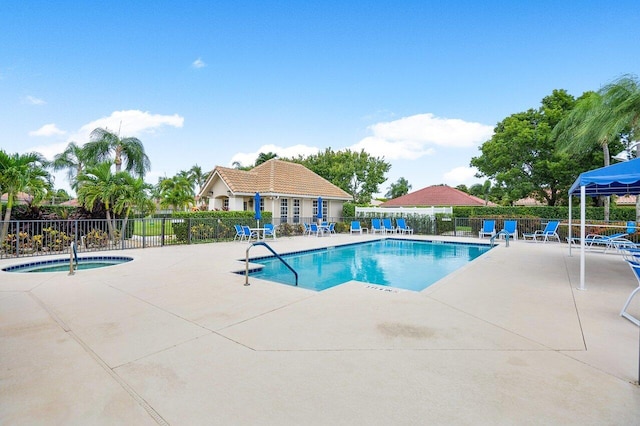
420,83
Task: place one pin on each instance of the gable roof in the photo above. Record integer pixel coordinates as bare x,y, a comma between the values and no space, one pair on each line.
277,177
435,195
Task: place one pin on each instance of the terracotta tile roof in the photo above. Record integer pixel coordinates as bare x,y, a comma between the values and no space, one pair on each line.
21,198
436,195
278,177
626,200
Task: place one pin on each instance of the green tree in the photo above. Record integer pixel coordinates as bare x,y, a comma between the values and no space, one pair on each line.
57,196
175,192
133,195
462,188
98,184
398,189
129,151
578,132
22,173
74,159
522,158
357,173
263,157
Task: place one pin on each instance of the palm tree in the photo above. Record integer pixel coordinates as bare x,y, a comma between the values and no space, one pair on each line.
586,125
602,118
133,195
128,150
99,185
74,158
22,173
398,189
176,192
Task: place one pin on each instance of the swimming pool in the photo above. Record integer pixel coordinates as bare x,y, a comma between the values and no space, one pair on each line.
399,263
62,265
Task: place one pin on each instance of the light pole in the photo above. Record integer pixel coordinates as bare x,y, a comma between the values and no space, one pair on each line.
626,154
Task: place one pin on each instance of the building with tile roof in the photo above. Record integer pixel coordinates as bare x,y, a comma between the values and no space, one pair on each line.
288,190
436,195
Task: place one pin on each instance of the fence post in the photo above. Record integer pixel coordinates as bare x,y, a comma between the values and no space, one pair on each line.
162,232
17,234
144,232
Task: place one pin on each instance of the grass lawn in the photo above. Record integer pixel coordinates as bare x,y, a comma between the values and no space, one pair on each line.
152,228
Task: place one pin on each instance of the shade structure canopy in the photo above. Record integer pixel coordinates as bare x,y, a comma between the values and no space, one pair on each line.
617,179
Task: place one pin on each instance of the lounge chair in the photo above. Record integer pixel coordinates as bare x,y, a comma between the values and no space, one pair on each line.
355,227
635,267
377,226
388,226
401,226
488,228
511,228
549,231
269,231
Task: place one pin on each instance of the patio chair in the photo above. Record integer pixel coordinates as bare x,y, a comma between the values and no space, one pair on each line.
269,231
376,226
248,233
355,227
239,233
388,226
314,229
402,227
488,228
635,267
549,231
332,228
511,228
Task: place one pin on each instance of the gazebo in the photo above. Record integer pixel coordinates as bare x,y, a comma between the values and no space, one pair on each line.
617,179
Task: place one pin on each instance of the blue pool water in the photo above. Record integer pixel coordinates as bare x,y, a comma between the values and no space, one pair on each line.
406,264
62,265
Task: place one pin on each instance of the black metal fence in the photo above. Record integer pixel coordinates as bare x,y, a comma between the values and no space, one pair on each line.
34,238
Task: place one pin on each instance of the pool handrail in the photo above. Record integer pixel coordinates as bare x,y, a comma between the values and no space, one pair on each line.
262,243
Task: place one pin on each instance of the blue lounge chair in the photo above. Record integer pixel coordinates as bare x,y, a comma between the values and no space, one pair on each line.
511,228
549,231
376,226
388,226
488,228
355,227
401,226
269,231
332,228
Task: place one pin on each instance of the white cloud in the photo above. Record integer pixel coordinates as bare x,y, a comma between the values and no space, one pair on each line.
32,100
198,63
461,175
249,158
130,123
47,130
49,151
414,136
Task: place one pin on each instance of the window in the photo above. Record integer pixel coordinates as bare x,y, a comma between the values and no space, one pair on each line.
325,208
284,210
296,210
225,204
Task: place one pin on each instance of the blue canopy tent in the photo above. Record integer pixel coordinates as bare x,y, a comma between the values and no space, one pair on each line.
256,205
618,179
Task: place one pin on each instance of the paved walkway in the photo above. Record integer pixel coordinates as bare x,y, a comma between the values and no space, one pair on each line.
175,338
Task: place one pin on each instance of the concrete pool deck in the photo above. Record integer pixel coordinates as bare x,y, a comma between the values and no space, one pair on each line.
175,338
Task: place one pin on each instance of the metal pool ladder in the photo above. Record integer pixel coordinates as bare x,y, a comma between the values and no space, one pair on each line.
261,243
506,238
